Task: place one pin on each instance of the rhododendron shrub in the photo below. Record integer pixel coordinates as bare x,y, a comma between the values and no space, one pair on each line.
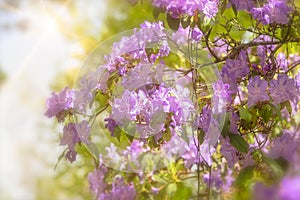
201,103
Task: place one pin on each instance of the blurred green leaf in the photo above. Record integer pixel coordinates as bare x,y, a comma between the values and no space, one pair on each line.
223,6
171,189
245,114
245,177
266,113
173,22
226,127
60,157
185,22
183,192
239,143
156,12
234,9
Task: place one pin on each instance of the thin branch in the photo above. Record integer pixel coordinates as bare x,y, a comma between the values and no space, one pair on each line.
294,65
208,47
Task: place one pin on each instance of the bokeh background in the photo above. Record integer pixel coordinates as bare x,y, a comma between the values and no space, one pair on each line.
43,44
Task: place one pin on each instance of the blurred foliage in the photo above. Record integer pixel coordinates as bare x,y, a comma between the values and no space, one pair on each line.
67,182
125,17
2,77
65,79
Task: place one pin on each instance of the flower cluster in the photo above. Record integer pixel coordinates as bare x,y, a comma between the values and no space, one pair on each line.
74,134
257,91
243,4
283,89
181,8
118,189
275,11
168,123
234,70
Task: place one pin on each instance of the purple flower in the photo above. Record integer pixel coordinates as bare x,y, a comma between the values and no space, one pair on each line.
148,107
214,178
59,103
185,105
135,149
210,8
262,54
243,4
84,131
234,119
229,152
282,61
196,34
191,155
160,3
257,91
121,190
111,125
235,69
229,180
122,108
133,48
261,14
139,76
82,98
71,155
297,80
97,180
229,78
263,192
290,188
179,8
283,89
284,146
275,11
176,146
70,136
180,37
203,120
73,134
207,150
222,96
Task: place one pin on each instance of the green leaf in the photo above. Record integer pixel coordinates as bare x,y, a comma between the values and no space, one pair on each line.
157,178
245,114
185,22
206,21
287,105
226,127
60,157
183,192
276,109
276,170
266,113
223,6
173,22
156,12
245,177
93,150
124,141
167,135
239,143
171,189
234,9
